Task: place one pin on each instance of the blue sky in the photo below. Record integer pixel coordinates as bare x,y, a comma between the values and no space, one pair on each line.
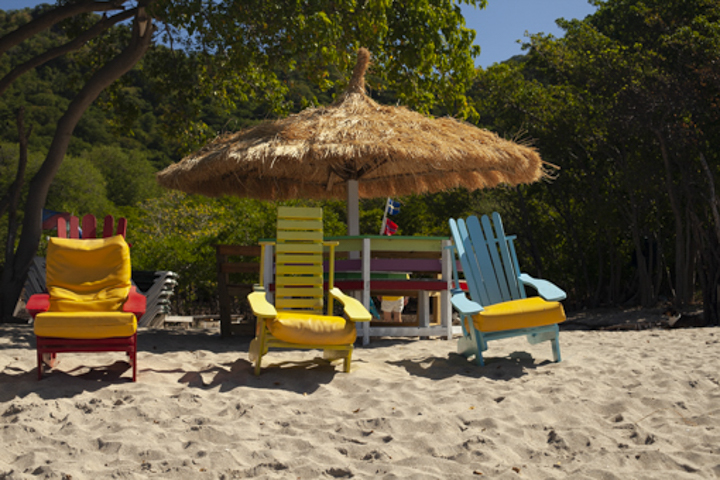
504,22
498,27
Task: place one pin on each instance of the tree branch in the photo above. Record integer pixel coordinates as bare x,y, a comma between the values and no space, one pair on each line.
104,24
47,20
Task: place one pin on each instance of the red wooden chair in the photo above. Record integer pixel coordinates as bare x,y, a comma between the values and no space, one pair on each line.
89,227
91,305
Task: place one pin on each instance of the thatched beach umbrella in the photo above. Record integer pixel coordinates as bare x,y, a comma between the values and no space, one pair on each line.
353,148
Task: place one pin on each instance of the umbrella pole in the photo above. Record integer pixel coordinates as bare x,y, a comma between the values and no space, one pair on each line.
353,208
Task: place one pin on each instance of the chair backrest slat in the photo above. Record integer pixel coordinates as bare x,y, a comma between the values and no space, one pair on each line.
468,260
299,260
488,259
74,227
89,226
121,226
509,259
108,225
62,227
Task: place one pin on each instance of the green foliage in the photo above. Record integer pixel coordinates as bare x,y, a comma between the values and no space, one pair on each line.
128,174
178,232
422,52
625,105
79,188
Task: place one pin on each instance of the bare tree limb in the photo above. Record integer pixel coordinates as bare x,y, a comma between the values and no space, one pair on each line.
47,20
104,24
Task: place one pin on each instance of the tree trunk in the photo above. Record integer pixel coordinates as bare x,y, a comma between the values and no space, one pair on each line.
683,290
708,270
11,201
645,285
15,271
711,264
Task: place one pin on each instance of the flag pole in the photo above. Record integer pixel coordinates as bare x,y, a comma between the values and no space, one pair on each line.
384,219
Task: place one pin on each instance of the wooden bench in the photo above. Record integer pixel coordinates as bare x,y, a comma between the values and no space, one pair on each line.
238,268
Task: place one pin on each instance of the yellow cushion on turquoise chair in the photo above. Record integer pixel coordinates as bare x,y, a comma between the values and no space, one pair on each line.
85,325
309,329
88,275
522,313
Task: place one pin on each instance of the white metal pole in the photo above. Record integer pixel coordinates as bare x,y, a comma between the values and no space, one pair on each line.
353,213
353,208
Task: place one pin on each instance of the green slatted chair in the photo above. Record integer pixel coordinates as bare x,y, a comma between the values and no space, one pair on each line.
298,319
498,306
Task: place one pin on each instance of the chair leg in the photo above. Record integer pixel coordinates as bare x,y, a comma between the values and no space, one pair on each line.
481,346
467,346
132,353
479,361
133,364
40,365
262,349
348,360
556,349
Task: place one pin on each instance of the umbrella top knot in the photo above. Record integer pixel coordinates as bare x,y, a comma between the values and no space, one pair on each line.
357,81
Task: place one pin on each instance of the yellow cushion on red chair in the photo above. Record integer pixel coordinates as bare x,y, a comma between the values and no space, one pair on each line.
88,275
309,329
85,325
523,313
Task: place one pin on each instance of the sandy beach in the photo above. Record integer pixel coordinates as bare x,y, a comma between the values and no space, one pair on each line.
621,405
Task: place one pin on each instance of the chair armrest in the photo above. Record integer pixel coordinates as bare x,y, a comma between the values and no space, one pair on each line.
260,306
38,303
355,310
464,305
136,303
547,290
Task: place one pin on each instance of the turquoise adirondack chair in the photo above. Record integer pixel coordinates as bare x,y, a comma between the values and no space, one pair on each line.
498,306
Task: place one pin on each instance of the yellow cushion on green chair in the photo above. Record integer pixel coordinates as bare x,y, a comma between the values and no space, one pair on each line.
86,325
523,313
312,329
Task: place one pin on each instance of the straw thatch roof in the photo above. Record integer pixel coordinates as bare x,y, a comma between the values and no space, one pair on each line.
390,150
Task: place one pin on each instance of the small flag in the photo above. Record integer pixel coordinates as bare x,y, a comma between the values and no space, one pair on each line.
390,227
393,207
